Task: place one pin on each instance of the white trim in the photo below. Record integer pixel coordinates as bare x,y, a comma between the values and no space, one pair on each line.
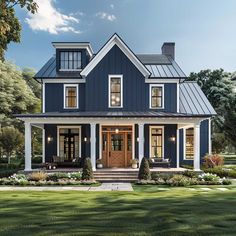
163,96
163,139
43,145
68,127
74,45
93,145
177,100
196,161
43,97
77,96
140,142
58,81
115,40
28,147
109,90
100,138
209,137
161,80
68,70
177,148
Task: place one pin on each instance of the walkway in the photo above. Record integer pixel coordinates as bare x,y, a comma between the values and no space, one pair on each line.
102,187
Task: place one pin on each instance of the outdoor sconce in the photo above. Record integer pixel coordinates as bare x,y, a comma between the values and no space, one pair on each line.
50,139
85,139
117,131
137,139
172,138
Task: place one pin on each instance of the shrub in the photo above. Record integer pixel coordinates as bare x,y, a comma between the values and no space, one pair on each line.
7,173
144,170
226,182
214,160
165,177
179,180
87,173
209,177
38,176
57,176
190,174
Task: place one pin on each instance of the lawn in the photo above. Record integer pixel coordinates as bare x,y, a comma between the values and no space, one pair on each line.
147,211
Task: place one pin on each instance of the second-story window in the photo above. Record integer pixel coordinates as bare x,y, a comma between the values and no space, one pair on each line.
70,60
70,96
156,96
115,91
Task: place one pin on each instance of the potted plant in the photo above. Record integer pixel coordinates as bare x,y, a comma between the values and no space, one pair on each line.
99,164
134,163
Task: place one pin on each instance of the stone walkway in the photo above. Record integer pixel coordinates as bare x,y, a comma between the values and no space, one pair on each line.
102,187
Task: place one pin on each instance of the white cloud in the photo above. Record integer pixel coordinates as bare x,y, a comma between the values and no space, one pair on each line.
49,19
106,16
112,6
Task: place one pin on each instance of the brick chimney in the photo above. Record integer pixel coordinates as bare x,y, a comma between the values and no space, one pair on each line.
168,48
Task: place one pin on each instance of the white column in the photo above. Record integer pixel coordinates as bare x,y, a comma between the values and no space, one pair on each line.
27,146
196,163
177,148
209,131
93,145
141,142
43,145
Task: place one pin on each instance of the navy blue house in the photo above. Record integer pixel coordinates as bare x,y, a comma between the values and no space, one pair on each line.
116,106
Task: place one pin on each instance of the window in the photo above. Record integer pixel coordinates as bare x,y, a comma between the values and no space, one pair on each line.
70,96
70,60
156,96
156,142
115,91
189,141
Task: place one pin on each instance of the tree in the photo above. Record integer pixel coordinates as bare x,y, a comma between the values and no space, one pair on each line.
15,95
144,170
11,140
10,28
87,170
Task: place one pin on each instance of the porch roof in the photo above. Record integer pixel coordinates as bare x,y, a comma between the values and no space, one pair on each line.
108,114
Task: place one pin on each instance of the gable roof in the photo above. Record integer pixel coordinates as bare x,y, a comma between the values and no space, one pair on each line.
115,40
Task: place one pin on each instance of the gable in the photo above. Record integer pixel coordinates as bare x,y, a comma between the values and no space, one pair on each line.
115,40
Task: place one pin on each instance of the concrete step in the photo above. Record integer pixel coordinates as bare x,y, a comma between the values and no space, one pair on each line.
120,180
116,176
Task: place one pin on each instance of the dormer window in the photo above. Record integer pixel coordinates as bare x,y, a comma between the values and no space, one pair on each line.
70,60
156,96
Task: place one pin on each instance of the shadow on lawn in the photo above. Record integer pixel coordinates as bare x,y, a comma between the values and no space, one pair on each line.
113,213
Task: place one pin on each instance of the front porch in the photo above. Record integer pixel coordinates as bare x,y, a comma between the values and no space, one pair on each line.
138,145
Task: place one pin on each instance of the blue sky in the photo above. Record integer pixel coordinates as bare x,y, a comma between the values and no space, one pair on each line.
204,31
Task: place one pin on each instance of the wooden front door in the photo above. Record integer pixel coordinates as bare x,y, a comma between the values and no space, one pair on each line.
116,148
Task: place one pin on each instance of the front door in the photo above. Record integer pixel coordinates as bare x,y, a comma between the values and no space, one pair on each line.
116,146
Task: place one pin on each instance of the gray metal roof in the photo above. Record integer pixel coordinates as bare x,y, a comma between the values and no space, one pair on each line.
161,66
107,114
193,100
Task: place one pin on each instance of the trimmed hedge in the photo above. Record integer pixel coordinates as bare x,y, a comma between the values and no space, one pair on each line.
7,173
144,170
87,173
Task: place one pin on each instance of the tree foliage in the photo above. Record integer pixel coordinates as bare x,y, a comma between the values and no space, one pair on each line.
15,95
11,140
144,170
10,27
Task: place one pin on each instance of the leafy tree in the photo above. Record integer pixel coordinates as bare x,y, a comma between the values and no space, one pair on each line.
15,95
11,140
219,142
144,170
10,27
87,170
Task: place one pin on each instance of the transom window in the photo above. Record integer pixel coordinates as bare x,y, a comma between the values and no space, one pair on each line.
115,91
156,96
156,142
70,60
189,144
70,96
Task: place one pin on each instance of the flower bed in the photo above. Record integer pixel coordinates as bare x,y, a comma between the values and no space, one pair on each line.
44,179
188,178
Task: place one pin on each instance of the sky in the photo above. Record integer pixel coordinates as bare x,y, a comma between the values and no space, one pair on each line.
204,31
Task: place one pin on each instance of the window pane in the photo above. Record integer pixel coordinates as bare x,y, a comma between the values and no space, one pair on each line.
71,97
70,56
189,145
115,90
156,97
156,142
70,60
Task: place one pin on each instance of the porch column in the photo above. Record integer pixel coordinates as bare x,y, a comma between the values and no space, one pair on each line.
209,134
196,162
43,145
177,148
141,142
93,145
28,146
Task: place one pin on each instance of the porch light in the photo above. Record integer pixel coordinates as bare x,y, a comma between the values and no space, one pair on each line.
49,139
85,139
117,131
172,138
137,139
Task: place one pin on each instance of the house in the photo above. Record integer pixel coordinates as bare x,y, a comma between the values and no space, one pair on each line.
116,105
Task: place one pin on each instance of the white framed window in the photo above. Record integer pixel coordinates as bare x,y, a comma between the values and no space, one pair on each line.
156,141
156,96
70,61
71,98
188,141
115,91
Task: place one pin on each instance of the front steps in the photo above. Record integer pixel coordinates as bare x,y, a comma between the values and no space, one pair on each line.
115,176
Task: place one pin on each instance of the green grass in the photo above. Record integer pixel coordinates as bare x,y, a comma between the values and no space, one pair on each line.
229,159
147,211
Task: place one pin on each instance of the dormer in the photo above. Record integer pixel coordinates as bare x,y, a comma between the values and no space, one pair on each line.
72,56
